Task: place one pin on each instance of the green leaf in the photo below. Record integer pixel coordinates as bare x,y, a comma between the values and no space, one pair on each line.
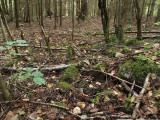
21,45
29,70
39,80
13,76
21,112
2,48
37,74
7,57
25,76
15,54
10,42
8,47
21,41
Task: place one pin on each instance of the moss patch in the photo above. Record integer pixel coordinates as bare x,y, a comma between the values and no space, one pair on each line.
137,70
126,50
70,74
112,52
148,47
63,85
133,42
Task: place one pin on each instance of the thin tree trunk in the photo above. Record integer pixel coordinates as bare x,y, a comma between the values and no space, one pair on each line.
158,14
7,96
16,7
60,11
55,14
105,19
7,28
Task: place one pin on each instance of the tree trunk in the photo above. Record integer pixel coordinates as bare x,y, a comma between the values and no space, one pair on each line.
16,7
41,13
48,7
105,19
5,92
152,8
60,11
158,15
55,14
84,10
139,13
11,10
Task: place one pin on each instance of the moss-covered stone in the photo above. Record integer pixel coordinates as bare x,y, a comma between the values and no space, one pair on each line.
63,85
138,69
70,74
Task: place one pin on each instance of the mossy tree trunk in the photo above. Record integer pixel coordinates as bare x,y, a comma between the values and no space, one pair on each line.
139,13
105,19
5,92
158,14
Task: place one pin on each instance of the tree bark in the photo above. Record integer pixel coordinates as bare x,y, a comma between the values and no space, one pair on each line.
6,94
16,8
158,15
105,19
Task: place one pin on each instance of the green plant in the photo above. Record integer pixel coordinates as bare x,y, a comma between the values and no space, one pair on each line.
98,67
111,52
70,51
10,44
96,46
113,39
98,95
129,105
28,73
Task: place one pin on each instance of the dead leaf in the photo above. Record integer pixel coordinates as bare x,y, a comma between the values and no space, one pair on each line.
111,108
102,69
50,85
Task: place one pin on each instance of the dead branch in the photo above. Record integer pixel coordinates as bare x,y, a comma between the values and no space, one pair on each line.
54,68
141,94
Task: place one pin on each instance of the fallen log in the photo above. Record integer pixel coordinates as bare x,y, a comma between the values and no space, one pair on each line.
54,68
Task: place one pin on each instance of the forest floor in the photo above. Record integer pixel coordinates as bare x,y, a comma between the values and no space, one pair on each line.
97,92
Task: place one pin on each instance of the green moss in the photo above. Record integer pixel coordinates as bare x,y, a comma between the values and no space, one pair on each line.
111,52
126,50
63,85
82,83
148,47
113,38
137,70
60,104
98,67
70,74
133,42
157,41
70,51
99,95
96,46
